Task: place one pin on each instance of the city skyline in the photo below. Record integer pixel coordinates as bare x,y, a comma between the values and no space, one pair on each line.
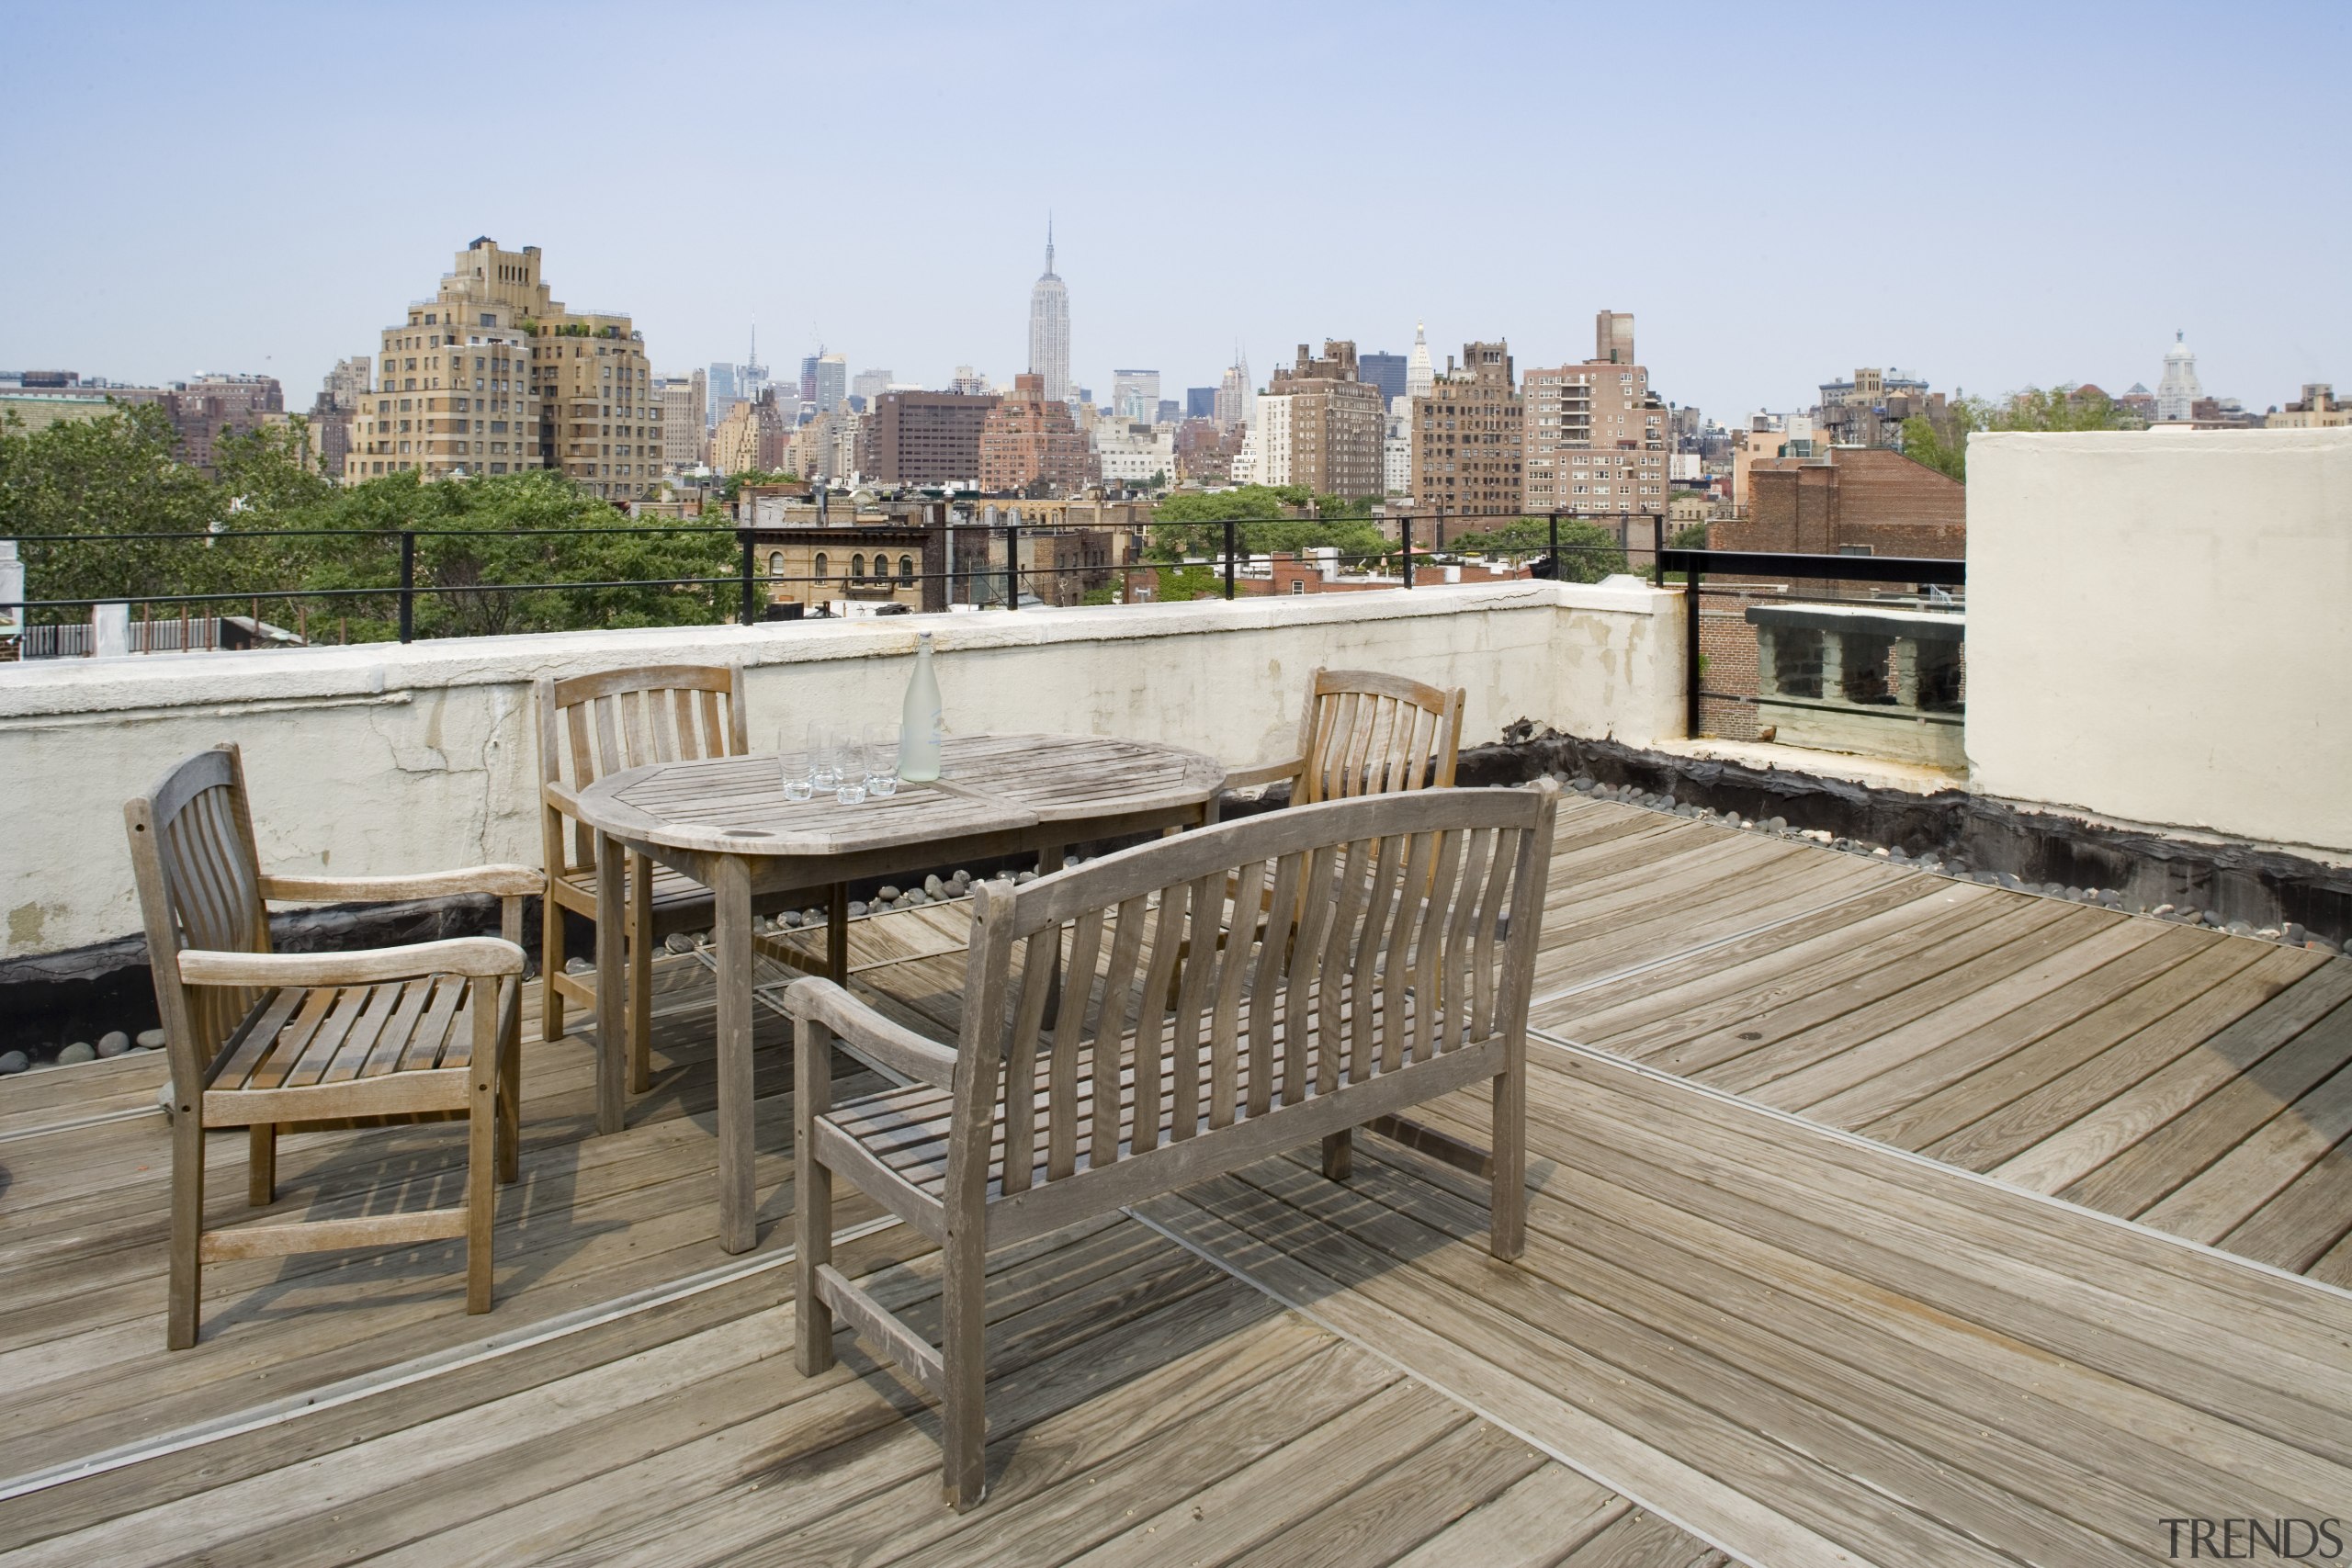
1988,260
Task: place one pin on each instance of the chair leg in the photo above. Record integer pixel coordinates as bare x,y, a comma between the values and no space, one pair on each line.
963,1352
1507,1221
1339,1155
510,1104
641,974
187,1226
550,965
261,1164
812,1195
482,1161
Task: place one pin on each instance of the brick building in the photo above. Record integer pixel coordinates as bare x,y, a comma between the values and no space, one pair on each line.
1850,500
1336,422
1468,434
923,438
1206,451
1597,437
205,410
1029,444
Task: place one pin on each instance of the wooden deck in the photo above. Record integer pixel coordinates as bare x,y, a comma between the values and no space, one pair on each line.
1749,1325
2194,1082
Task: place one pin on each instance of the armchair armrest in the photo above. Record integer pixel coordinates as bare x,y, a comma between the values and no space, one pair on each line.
477,957
561,796
1265,774
868,1032
506,881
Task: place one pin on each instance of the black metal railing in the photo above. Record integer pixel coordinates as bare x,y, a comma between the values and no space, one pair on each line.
1228,560
1920,573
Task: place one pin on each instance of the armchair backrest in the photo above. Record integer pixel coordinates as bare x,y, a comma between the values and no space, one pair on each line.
1367,733
594,725
199,887
1398,929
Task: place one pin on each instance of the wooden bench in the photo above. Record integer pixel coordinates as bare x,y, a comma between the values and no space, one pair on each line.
1105,1055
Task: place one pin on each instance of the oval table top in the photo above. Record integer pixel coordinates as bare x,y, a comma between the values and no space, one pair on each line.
989,783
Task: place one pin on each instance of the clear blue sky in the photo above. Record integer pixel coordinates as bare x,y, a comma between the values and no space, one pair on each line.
1991,196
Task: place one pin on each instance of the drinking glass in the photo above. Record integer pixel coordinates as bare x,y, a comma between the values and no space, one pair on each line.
795,760
849,767
881,760
824,757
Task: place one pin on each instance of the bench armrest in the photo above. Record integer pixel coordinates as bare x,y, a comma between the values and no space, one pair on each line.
478,957
868,1033
506,881
1265,774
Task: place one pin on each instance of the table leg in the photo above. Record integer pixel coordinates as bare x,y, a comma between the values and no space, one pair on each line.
731,890
837,933
612,986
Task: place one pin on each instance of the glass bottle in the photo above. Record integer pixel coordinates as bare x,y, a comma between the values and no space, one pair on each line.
920,723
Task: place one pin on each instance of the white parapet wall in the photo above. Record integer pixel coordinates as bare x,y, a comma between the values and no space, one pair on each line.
383,758
2158,626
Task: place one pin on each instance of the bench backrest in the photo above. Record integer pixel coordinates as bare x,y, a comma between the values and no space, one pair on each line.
1369,733
199,887
1369,937
594,725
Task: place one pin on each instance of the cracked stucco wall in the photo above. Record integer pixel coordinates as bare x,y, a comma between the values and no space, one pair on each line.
379,759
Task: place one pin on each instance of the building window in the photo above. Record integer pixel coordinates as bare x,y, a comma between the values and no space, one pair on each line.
775,563
1297,586
856,568
820,566
907,570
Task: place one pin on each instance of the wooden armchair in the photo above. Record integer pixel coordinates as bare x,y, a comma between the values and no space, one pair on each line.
267,1041
594,725
1169,1060
1367,733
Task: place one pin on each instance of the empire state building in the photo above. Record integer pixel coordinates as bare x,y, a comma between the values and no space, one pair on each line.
1049,328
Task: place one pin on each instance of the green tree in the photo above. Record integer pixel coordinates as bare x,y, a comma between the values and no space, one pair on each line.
1179,583
1944,446
1690,536
115,474
1587,551
735,482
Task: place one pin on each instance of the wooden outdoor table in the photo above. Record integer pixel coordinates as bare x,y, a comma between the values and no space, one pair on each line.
724,821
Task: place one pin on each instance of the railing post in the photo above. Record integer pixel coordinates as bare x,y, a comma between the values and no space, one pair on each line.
1405,537
750,588
1658,550
1555,548
1231,530
1691,650
408,585
1012,565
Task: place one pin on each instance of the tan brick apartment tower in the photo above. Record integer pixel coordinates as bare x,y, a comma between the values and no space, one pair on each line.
490,376
1467,438
1596,434
1029,444
1336,422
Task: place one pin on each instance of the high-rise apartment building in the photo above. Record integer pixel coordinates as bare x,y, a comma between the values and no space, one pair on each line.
867,387
1049,330
1030,445
1200,402
923,438
719,393
1134,396
1597,437
685,420
1336,422
1270,443
332,411
968,382
209,408
1467,438
457,383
